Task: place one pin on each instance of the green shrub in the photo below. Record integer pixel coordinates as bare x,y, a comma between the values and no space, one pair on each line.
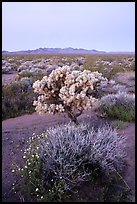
115,69
33,75
121,112
120,106
18,96
133,66
24,74
17,99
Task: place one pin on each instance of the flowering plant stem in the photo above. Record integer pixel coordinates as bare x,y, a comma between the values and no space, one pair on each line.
72,117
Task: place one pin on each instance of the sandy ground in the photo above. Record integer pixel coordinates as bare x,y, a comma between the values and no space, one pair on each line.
16,131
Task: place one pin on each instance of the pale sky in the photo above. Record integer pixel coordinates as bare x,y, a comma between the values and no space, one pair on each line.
106,26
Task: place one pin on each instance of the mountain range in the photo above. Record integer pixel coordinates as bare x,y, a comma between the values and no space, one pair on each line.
68,50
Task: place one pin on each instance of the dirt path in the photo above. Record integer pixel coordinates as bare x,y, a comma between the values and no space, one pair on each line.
16,131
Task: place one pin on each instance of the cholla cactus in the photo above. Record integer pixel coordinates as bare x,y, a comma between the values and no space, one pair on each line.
67,91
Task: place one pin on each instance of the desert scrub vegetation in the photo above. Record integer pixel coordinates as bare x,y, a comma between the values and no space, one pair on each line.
30,57
17,98
120,106
35,67
109,64
64,157
133,66
107,71
34,75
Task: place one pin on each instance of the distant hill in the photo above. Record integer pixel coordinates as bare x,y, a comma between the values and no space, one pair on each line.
68,50
5,52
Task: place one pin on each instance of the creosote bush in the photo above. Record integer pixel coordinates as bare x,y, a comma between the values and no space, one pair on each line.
66,90
64,156
35,75
17,98
120,105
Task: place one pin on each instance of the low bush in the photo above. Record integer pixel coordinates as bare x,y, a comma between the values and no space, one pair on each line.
133,66
65,156
114,70
18,96
17,99
120,106
24,73
37,74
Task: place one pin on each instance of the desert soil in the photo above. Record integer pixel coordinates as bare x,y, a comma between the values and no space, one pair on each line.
16,131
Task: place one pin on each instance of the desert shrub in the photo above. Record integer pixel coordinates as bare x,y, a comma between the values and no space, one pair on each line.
111,88
34,75
64,157
133,66
24,73
17,98
6,70
115,69
119,88
66,90
120,106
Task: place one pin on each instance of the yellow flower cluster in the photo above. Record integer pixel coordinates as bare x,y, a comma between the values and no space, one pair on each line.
64,87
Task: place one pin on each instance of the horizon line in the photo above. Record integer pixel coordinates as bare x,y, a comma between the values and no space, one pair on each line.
65,48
